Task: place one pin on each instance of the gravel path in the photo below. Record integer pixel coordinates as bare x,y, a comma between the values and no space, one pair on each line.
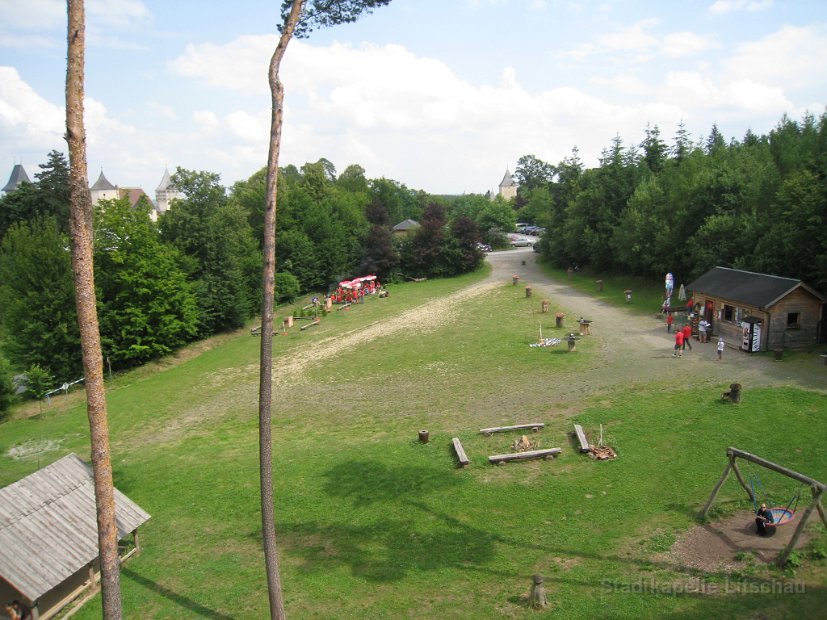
638,348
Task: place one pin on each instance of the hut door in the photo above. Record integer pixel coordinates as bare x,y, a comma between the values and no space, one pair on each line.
709,313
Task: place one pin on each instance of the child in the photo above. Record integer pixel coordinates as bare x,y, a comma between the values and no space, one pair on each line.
720,348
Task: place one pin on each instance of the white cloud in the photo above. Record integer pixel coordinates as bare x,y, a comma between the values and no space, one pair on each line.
685,43
721,7
795,56
25,115
116,13
205,119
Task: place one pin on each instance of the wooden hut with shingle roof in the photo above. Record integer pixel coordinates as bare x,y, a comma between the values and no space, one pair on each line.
49,536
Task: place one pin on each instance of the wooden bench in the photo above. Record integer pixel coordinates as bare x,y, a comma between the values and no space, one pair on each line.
536,426
461,456
548,454
256,331
581,438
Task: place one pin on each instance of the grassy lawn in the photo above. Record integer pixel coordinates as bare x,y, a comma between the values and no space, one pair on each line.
374,524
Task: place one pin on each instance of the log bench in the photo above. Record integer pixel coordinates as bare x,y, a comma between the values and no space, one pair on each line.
461,456
548,453
581,438
536,426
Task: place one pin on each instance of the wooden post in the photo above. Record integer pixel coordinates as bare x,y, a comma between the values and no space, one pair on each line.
538,597
599,284
544,305
717,488
558,319
741,479
136,541
785,555
423,436
528,291
289,320
515,280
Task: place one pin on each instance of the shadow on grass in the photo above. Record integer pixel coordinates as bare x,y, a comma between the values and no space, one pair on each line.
178,599
397,540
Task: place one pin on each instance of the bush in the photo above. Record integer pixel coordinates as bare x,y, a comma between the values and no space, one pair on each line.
287,288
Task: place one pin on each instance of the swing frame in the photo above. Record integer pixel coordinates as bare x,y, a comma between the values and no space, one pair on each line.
816,489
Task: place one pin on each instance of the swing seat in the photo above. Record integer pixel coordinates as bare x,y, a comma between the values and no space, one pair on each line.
780,516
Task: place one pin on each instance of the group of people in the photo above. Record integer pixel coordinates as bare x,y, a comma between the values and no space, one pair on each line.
683,336
18,611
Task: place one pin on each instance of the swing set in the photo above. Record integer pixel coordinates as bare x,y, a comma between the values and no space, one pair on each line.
781,515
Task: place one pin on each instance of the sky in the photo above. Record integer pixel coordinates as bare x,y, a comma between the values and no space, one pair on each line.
439,95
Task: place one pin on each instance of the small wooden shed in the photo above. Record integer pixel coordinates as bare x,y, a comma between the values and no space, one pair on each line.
49,536
405,227
759,312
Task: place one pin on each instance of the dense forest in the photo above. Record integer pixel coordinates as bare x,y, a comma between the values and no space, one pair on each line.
759,203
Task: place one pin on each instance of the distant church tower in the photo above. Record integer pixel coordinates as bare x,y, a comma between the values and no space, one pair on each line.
165,193
508,186
18,176
103,190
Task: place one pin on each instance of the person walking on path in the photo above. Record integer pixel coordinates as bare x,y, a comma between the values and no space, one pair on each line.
678,344
669,320
720,347
687,336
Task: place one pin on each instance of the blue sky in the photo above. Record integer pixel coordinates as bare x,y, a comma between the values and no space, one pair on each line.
441,95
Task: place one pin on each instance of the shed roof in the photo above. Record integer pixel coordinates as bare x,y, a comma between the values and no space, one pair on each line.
407,225
753,289
48,525
18,176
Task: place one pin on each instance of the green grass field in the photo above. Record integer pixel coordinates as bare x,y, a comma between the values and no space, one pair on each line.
373,524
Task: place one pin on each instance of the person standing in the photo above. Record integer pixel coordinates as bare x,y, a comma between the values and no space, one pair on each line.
702,335
669,320
687,336
720,347
678,344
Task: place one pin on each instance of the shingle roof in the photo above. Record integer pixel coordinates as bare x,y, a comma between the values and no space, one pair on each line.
508,180
754,289
407,225
48,526
166,183
18,176
102,184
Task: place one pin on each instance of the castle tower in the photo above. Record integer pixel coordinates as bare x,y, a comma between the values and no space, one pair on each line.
18,176
103,190
165,193
508,186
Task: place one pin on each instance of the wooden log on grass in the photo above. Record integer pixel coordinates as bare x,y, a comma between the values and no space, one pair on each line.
548,453
581,438
309,325
535,426
461,456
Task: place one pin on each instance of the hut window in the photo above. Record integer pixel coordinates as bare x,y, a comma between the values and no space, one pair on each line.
729,313
792,320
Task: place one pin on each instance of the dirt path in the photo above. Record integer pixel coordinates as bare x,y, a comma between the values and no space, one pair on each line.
638,348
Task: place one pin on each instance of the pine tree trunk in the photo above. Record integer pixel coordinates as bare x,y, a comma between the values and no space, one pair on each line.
271,558
83,269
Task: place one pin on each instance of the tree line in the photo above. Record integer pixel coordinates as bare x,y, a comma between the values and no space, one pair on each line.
759,204
197,270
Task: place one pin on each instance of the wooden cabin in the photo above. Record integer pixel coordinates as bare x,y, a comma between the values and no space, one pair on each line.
49,537
759,312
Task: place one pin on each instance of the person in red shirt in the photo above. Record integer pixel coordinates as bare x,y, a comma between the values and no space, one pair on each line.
669,320
687,336
678,344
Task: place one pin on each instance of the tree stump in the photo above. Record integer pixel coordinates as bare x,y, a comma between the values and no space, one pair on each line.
544,305
558,319
538,598
528,291
289,321
572,341
735,392
423,436
599,284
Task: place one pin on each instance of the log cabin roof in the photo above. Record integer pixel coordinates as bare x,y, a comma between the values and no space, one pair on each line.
752,289
48,525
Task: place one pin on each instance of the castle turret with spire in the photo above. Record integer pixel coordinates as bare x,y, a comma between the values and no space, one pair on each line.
18,177
103,190
508,186
166,192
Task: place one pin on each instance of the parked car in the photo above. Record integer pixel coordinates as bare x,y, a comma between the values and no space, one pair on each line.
483,247
521,242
